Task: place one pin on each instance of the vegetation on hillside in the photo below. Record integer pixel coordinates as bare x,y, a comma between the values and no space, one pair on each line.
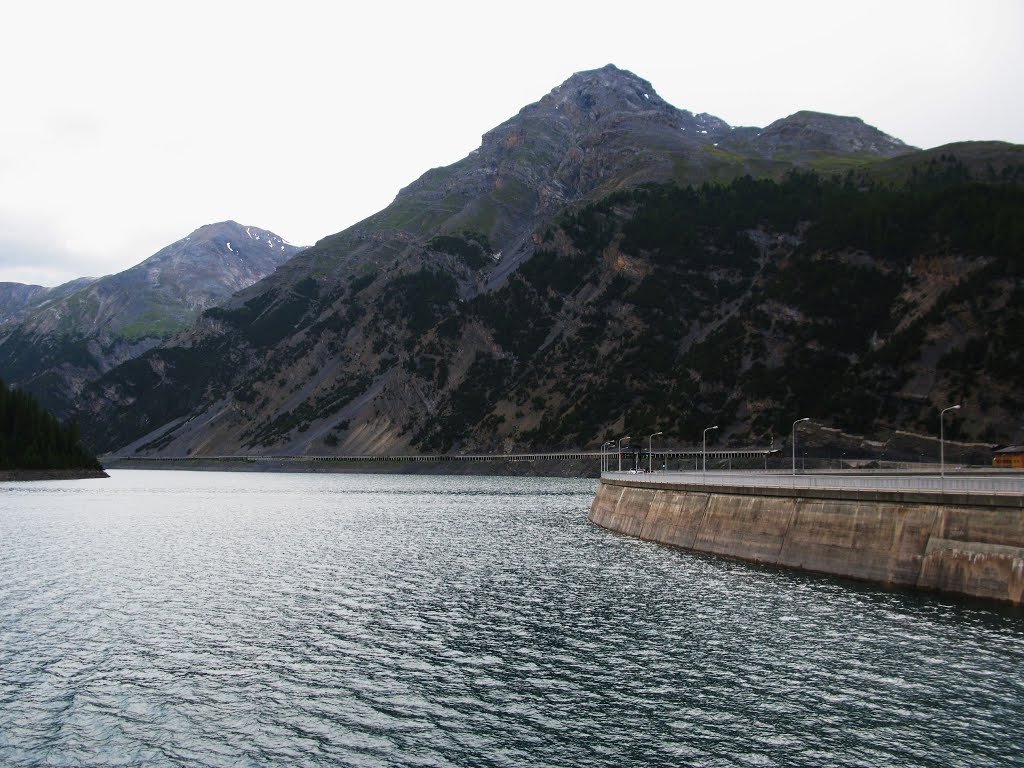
746,303
858,302
472,247
32,438
75,333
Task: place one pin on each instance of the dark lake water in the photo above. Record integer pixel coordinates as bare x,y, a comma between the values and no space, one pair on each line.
189,618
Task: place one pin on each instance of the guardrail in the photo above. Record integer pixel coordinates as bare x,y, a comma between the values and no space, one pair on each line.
968,483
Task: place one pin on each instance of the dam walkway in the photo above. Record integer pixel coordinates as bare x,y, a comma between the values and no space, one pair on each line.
984,482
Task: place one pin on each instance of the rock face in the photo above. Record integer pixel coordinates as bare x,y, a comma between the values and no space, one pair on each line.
60,339
15,298
827,133
18,299
943,544
599,131
557,284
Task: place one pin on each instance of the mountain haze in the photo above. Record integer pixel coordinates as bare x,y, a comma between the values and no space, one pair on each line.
563,283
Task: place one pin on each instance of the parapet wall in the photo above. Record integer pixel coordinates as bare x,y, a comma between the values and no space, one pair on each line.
960,543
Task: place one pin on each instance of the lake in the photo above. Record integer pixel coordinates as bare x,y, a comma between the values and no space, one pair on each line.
223,619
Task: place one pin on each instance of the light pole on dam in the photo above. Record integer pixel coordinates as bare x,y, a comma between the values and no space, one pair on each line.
650,448
942,439
704,450
805,418
619,449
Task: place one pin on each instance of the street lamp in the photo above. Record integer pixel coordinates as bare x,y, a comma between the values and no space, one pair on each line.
942,439
619,449
604,454
704,451
805,418
650,447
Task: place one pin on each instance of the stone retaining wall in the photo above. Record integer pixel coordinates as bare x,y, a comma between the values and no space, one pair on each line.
946,542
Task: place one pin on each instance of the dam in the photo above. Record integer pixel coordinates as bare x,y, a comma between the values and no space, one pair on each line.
960,534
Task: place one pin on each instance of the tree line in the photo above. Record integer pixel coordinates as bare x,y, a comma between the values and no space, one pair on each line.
32,438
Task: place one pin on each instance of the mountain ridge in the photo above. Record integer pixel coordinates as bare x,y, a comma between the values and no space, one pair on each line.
67,336
18,299
401,332
570,135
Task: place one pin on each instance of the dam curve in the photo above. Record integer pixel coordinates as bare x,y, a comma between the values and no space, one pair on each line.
961,535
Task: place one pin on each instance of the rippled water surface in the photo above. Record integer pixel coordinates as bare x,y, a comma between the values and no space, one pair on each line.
180,618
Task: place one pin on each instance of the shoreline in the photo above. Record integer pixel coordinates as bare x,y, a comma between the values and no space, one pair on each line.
33,475
579,468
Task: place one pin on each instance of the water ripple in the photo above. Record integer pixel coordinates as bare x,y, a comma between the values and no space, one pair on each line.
237,619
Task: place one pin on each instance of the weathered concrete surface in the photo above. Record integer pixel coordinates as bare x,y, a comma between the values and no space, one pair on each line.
929,541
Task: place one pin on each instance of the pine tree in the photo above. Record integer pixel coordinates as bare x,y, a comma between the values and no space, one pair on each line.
32,438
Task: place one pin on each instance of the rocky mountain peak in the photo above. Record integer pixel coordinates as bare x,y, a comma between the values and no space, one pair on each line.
596,93
586,100
223,257
834,133
590,104
223,232
62,338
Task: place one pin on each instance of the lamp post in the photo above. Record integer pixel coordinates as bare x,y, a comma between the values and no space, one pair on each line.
650,447
619,449
942,439
704,451
805,418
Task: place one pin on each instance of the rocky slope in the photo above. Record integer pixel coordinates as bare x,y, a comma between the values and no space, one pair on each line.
540,294
818,132
749,305
17,300
56,340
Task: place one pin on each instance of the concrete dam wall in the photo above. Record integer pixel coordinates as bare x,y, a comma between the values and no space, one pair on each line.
968,544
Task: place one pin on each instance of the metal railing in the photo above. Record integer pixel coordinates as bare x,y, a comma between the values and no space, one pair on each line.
965,483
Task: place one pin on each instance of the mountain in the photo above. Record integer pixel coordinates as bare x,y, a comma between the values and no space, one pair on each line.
751,304
599,131
56,340
18,299
15,298
806,132
604,262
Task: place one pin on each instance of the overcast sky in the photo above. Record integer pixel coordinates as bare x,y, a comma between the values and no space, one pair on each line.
127,125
